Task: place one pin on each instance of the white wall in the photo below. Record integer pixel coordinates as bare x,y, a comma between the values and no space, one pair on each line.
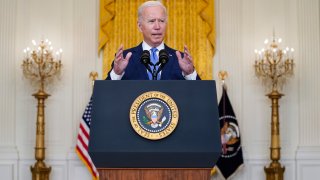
242,26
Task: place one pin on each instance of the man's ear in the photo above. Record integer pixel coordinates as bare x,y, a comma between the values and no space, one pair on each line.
139,26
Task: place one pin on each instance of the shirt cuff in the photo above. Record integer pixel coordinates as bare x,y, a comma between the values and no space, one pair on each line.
192,76
115,76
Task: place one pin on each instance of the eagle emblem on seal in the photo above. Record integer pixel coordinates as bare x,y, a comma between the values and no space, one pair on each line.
154,115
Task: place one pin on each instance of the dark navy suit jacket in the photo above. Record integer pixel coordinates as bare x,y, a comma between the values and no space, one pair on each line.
137,71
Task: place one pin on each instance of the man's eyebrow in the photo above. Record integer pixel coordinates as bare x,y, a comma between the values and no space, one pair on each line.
148,19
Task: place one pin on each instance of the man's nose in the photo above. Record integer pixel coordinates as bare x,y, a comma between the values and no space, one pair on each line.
156,25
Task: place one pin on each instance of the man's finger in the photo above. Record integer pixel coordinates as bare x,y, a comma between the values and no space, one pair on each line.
117,59
128,56
178,55
190,59
186,49
120,51
121,47
187,54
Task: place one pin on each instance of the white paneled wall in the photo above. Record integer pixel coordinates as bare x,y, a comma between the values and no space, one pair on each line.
8,151
309,46
7,73
308,153
242,26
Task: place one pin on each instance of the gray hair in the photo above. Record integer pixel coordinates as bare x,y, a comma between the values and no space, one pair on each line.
150,4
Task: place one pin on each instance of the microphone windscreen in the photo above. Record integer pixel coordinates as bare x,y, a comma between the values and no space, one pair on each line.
145,57
163,56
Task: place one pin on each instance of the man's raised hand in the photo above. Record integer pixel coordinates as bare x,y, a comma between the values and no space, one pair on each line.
185,63
120,63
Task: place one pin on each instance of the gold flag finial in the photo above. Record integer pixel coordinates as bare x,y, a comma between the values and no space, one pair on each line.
223,75
93,76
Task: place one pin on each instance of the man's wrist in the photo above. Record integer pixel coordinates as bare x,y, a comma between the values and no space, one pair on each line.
115,76
192,76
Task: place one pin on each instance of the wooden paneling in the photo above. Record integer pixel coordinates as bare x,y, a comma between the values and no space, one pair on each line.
154,174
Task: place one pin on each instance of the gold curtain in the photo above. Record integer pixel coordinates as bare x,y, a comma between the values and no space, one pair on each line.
190,22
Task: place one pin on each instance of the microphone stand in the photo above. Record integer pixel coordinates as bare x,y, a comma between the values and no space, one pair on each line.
155,71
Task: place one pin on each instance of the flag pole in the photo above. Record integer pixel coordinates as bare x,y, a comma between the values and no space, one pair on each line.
231,158
223,75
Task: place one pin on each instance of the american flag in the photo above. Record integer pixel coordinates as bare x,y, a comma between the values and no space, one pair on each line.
83,141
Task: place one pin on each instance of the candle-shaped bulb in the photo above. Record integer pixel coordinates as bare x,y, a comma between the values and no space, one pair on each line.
58,55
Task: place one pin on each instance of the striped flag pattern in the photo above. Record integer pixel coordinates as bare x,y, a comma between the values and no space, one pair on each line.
83,141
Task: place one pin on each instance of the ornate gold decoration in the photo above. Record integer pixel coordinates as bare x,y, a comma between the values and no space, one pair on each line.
223,75
274,65
154,115
93,76
118,25
41,68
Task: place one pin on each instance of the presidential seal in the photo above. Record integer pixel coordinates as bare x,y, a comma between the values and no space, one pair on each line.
230,136
154,115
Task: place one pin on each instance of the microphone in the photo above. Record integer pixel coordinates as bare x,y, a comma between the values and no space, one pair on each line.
145,59
163,59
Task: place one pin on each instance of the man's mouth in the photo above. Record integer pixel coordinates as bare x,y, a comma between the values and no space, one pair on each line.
157,34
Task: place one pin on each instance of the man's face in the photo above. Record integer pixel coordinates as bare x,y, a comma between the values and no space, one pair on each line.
153,25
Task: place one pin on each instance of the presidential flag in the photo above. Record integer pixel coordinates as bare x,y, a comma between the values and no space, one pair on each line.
83,141
231,158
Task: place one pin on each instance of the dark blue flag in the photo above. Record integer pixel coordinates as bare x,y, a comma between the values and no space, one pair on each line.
231,157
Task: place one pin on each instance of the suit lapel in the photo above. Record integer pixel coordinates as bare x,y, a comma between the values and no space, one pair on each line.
165,74
141,68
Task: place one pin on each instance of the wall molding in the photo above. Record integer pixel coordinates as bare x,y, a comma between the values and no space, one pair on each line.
308,153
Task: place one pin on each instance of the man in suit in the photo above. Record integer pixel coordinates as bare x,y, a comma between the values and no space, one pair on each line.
152,23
